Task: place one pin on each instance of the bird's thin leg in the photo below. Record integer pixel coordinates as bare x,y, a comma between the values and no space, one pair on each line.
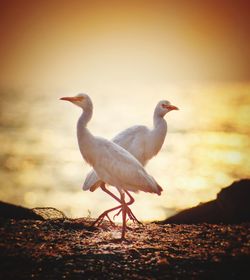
124,212
118,213
131,201
110,193
130,213
128,210
105,214
115,197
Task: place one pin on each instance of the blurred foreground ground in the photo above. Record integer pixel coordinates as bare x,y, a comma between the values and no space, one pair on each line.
70,249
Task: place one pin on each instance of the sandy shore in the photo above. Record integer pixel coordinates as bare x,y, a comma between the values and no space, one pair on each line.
70,249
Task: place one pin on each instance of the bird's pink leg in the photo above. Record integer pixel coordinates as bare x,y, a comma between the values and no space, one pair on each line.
110,193
124,212
124,205
118,213
128,210
130,213
103,215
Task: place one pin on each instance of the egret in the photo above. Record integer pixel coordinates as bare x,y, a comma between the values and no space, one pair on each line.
140,141
112,163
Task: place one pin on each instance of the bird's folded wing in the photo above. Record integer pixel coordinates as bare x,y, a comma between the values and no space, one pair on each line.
134,141
126,137
123,170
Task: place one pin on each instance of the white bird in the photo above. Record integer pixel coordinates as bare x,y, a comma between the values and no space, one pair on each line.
113,164
142,142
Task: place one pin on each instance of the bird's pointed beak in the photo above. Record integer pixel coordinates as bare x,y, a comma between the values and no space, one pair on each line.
72,99
171,107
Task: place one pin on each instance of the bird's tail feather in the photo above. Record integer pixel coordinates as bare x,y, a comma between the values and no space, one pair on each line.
159,189
91,181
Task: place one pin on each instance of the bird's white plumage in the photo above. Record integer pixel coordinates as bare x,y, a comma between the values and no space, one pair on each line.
133,140
115,166
143,143
112,164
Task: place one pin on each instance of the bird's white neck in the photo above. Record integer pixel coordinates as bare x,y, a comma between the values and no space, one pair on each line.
85,138
159,121
85,117
158,133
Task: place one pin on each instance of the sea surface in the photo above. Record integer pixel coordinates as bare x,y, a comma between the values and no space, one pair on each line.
206,148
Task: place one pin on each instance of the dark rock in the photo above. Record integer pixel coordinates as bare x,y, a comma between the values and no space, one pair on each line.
11,211
234,202
208,212
231,206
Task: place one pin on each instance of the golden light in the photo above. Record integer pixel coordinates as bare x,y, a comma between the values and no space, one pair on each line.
127,55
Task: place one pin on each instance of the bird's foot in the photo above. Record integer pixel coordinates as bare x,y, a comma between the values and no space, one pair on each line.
129,213
118,213
101,218
132,217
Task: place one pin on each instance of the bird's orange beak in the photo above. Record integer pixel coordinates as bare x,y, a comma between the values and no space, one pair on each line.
170,107
72,99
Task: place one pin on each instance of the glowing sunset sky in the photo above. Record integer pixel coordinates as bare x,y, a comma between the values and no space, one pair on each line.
85,42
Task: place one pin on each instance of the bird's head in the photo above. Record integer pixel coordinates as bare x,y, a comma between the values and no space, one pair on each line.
82,100
164,106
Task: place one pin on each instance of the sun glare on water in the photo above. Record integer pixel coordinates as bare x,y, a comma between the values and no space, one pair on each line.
200,154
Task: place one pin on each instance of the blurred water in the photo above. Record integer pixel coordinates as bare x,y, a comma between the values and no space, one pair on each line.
207,147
